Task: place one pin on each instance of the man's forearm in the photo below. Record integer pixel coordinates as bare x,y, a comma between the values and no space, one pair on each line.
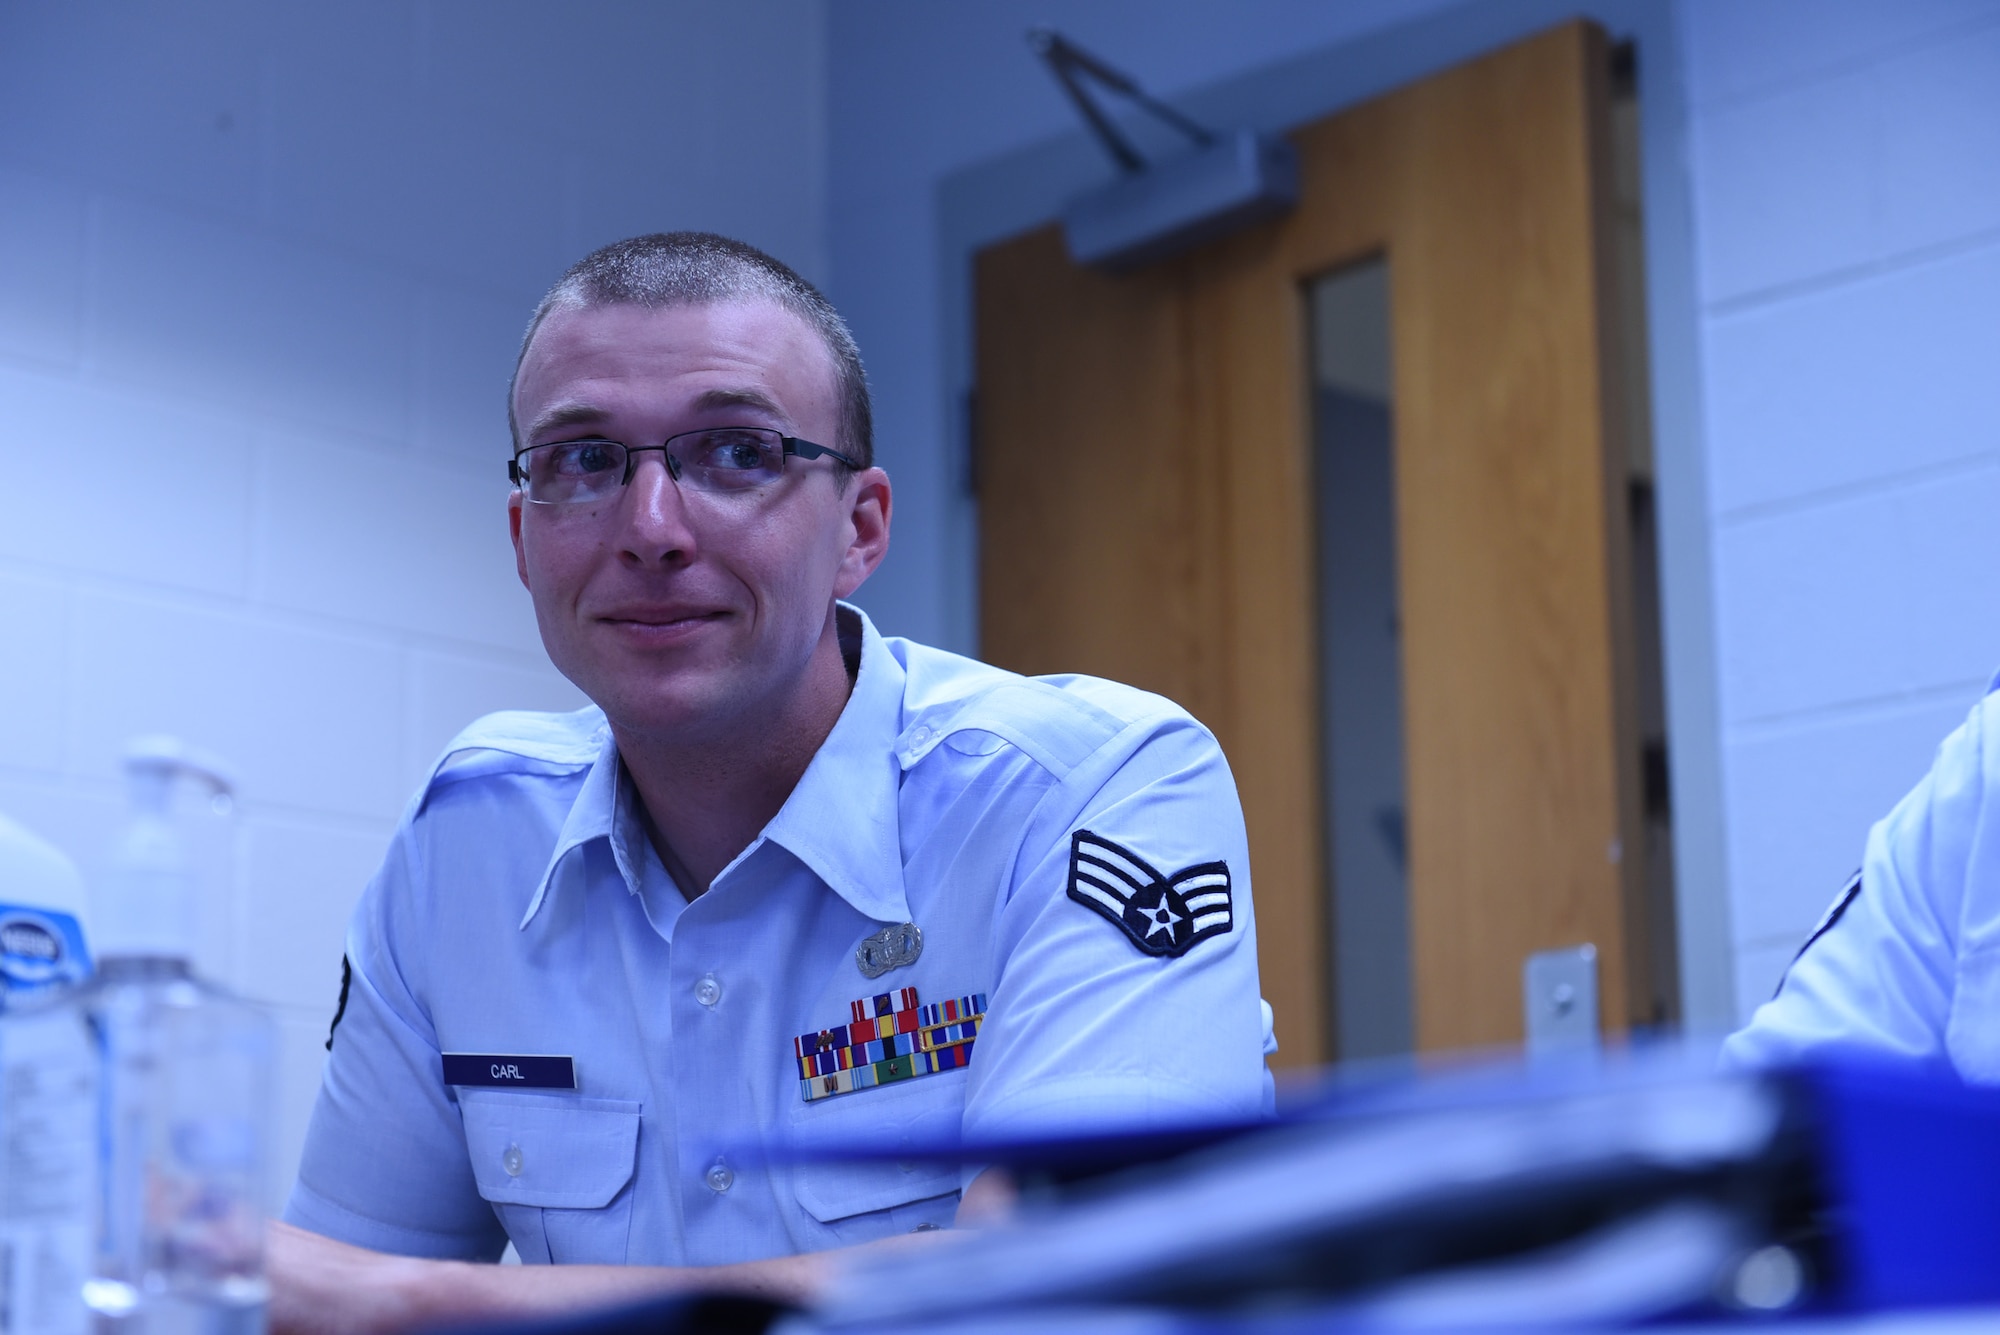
323,1287
462,1289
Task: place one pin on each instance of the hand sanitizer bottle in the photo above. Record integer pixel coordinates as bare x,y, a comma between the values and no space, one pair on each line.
48,1093
184,1116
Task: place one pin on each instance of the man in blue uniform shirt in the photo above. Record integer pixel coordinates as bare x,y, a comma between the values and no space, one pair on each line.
789,880
1907,960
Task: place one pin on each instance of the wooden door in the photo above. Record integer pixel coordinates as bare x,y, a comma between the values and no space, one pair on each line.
1146,511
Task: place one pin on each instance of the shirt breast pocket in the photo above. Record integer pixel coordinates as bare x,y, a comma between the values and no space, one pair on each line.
860,1200
557,1170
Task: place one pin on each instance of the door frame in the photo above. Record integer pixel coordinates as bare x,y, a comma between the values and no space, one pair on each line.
1027,188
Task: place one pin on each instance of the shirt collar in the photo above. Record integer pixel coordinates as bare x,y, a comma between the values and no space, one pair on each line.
593,815
841,820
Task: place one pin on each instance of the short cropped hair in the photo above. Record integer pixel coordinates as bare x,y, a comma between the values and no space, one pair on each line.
667,269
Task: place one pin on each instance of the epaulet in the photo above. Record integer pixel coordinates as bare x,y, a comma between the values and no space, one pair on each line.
519,741
1058,722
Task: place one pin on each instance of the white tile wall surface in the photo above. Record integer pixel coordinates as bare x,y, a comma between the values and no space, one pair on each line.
1847,175
263,269
1855,383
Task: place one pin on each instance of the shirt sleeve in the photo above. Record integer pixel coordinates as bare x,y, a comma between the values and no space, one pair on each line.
384,1164
1879,973
1115,1004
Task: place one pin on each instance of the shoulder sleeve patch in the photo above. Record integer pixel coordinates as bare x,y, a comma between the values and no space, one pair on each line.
1161,915
340,1011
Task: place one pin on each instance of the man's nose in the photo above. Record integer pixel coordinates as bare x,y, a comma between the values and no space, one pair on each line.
656,527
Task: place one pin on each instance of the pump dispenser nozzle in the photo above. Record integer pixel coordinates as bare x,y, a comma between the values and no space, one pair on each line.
148,899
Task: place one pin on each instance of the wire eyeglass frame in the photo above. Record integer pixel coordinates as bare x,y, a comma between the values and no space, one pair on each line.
697,476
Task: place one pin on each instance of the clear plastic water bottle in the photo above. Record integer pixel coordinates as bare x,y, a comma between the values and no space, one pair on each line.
48,1160
185,1090
48,1093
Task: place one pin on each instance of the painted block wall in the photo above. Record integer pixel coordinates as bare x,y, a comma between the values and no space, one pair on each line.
263,271
1846,165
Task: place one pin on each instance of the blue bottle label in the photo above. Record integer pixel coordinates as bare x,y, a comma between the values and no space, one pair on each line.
39,949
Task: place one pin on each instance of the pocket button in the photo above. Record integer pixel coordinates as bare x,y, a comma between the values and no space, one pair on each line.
513,1161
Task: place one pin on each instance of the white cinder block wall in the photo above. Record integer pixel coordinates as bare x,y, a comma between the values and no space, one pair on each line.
263,269
1847,179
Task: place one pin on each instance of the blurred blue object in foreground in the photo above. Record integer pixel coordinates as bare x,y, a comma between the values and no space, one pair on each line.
1591,1193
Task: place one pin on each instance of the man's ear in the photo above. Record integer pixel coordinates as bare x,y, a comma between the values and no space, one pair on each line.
869,501
514,528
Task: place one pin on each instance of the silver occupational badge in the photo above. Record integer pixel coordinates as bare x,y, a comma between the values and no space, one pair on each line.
890,948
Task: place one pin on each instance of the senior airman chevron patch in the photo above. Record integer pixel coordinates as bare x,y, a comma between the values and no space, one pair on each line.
1162,915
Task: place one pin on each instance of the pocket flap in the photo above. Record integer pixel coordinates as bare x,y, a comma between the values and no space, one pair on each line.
899,1117
831,1191
554,1152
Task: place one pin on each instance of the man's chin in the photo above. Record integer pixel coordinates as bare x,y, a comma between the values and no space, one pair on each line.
691,712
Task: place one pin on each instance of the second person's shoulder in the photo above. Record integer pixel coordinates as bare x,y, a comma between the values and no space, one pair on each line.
1968,759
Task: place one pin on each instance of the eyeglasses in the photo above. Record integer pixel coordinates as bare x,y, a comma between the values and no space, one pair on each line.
732,458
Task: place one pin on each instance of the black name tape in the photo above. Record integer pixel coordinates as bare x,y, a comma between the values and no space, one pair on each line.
490,1070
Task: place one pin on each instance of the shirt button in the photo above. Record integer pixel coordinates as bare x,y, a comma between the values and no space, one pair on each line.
921,735
708,991
513,1161
719,1177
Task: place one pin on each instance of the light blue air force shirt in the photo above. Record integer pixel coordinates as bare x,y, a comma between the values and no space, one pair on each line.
1907,960
522,911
